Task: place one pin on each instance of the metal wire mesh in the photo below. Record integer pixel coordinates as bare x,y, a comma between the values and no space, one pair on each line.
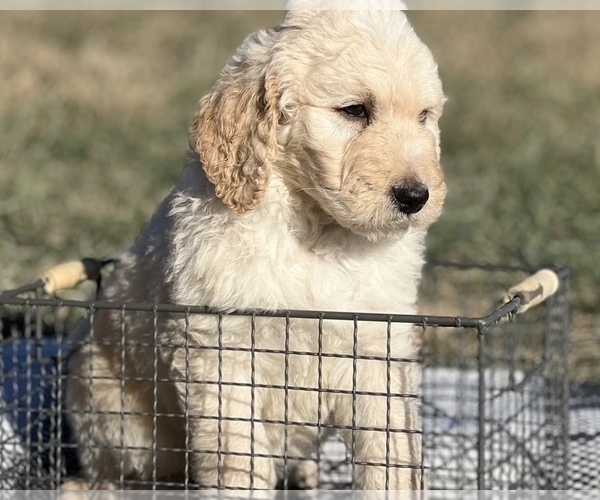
491,411
498,414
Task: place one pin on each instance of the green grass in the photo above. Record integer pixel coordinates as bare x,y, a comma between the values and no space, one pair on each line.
521,138
94,108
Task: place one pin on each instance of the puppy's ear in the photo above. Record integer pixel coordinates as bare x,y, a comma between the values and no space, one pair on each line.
234,131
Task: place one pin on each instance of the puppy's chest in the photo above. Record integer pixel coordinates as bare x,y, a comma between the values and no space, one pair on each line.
301,279
359,285
350,274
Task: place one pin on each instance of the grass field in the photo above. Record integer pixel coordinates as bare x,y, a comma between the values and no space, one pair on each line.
94,108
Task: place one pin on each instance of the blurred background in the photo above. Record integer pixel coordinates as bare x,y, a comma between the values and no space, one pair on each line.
94,109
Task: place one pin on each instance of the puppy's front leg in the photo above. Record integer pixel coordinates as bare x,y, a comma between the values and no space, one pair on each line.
384,439
383,462
229,449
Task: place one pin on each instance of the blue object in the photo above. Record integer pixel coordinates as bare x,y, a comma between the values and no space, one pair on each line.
29,380
32,388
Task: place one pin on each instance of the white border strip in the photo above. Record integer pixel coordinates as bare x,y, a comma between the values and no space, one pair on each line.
503,4
279,4
142,4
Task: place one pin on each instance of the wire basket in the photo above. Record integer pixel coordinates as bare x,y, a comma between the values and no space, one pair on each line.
491,410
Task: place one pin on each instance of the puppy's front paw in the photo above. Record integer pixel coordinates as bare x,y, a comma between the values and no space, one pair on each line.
302,475
75,485
306,475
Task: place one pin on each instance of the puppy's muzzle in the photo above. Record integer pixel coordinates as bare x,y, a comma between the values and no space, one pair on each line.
409,198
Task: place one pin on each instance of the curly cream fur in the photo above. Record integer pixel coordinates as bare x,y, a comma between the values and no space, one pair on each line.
235,128
285,203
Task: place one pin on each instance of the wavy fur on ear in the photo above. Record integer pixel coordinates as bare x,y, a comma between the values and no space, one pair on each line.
234,131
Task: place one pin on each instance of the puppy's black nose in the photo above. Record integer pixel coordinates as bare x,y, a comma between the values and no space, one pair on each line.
410,197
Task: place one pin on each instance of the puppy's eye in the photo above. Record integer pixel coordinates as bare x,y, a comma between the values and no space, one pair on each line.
423,116
355,111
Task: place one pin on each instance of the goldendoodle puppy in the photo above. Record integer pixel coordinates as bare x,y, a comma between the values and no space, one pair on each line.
312,178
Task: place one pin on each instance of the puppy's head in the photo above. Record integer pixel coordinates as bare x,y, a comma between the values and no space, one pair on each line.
345,106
